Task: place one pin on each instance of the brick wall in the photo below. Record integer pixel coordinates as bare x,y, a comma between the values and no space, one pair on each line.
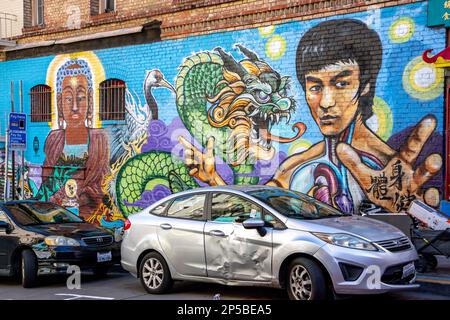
182,18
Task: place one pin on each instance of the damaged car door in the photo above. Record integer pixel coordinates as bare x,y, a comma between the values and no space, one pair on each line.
234,252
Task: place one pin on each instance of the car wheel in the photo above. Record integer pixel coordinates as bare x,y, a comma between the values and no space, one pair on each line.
431,261
421,265
100,272
305,280
28,269
155,274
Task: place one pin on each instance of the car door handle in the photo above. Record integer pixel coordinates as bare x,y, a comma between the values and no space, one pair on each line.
217,233
165,226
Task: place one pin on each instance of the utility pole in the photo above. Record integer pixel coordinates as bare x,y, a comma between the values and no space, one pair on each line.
13,155
5,187
22,171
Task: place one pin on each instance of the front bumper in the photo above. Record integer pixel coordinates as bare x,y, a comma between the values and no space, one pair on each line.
57,259
379,269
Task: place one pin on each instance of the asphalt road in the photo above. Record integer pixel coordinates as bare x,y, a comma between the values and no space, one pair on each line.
119,285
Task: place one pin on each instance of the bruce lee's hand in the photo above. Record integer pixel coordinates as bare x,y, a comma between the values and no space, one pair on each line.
398,184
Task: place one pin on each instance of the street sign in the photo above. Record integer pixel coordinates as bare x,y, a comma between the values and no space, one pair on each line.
17,131
438,13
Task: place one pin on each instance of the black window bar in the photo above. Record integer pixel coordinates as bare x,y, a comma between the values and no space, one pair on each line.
40,97
112,99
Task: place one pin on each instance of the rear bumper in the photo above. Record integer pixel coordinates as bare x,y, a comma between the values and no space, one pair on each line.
58,259
130,268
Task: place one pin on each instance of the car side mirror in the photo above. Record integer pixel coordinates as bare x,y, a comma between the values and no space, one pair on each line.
5,226
255,223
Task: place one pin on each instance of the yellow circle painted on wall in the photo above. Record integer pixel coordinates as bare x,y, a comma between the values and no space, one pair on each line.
299,146
71,188
423,81
266,31
275,47
98,75
382,121
402,30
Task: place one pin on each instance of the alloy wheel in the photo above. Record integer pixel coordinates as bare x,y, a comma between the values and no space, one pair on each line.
300,283
153,273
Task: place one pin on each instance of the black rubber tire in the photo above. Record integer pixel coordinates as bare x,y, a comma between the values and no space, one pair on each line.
100,271
28,269
421,264
167,281
431,261
318,282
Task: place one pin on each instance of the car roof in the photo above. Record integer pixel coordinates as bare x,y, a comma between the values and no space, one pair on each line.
241,188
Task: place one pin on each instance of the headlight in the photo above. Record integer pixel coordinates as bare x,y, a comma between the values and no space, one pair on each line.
346,240
61,241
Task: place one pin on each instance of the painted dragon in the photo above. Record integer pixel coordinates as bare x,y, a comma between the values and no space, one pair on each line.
237,103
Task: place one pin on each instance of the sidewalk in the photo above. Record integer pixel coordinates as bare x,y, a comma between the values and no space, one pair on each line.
437,281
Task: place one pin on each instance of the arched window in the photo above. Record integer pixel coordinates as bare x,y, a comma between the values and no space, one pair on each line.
41,109
112,99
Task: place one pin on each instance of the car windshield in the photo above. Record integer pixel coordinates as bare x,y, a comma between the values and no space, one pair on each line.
36,213
296,205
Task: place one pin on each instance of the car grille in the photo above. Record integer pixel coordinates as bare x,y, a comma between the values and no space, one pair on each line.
99,241
395,245
394,274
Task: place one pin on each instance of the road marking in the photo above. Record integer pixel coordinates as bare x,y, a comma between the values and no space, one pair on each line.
433,280
80,296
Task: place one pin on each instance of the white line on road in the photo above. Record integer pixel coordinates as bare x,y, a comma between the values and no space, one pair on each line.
80,296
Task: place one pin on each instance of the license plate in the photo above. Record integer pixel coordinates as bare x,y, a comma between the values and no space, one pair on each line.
104,256
408,269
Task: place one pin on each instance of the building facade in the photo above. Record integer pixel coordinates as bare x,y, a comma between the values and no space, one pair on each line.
129,101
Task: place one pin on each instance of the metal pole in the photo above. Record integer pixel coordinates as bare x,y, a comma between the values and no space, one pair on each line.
13,156
22,171
5,187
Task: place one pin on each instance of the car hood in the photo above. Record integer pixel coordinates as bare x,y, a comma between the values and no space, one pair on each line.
367,228
72,230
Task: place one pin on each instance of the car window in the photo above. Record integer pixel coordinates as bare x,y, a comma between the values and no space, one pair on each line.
3,217
295,205
160,210
273,221
227,207
36,213
22,216
188,207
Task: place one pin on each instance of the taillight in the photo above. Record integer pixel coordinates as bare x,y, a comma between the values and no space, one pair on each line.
127,225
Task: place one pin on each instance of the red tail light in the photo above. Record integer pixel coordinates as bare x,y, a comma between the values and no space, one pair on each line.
127,225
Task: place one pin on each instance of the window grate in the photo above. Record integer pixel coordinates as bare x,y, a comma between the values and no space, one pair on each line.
112,99
40,97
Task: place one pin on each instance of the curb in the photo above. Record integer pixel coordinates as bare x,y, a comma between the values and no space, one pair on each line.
437,285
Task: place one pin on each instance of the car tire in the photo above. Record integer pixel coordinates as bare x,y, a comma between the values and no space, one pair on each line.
155,274
305,280
28,269
421,265
100,272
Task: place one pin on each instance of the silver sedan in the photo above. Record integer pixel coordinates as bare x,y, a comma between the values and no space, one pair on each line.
265,236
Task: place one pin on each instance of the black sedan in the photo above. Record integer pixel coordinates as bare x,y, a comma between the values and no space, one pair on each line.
39,238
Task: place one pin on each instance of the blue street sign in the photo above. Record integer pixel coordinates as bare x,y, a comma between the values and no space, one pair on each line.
17,131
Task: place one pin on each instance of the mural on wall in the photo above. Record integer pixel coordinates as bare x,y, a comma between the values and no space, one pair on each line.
302,108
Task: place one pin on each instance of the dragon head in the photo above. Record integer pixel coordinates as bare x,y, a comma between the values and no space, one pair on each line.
252,98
